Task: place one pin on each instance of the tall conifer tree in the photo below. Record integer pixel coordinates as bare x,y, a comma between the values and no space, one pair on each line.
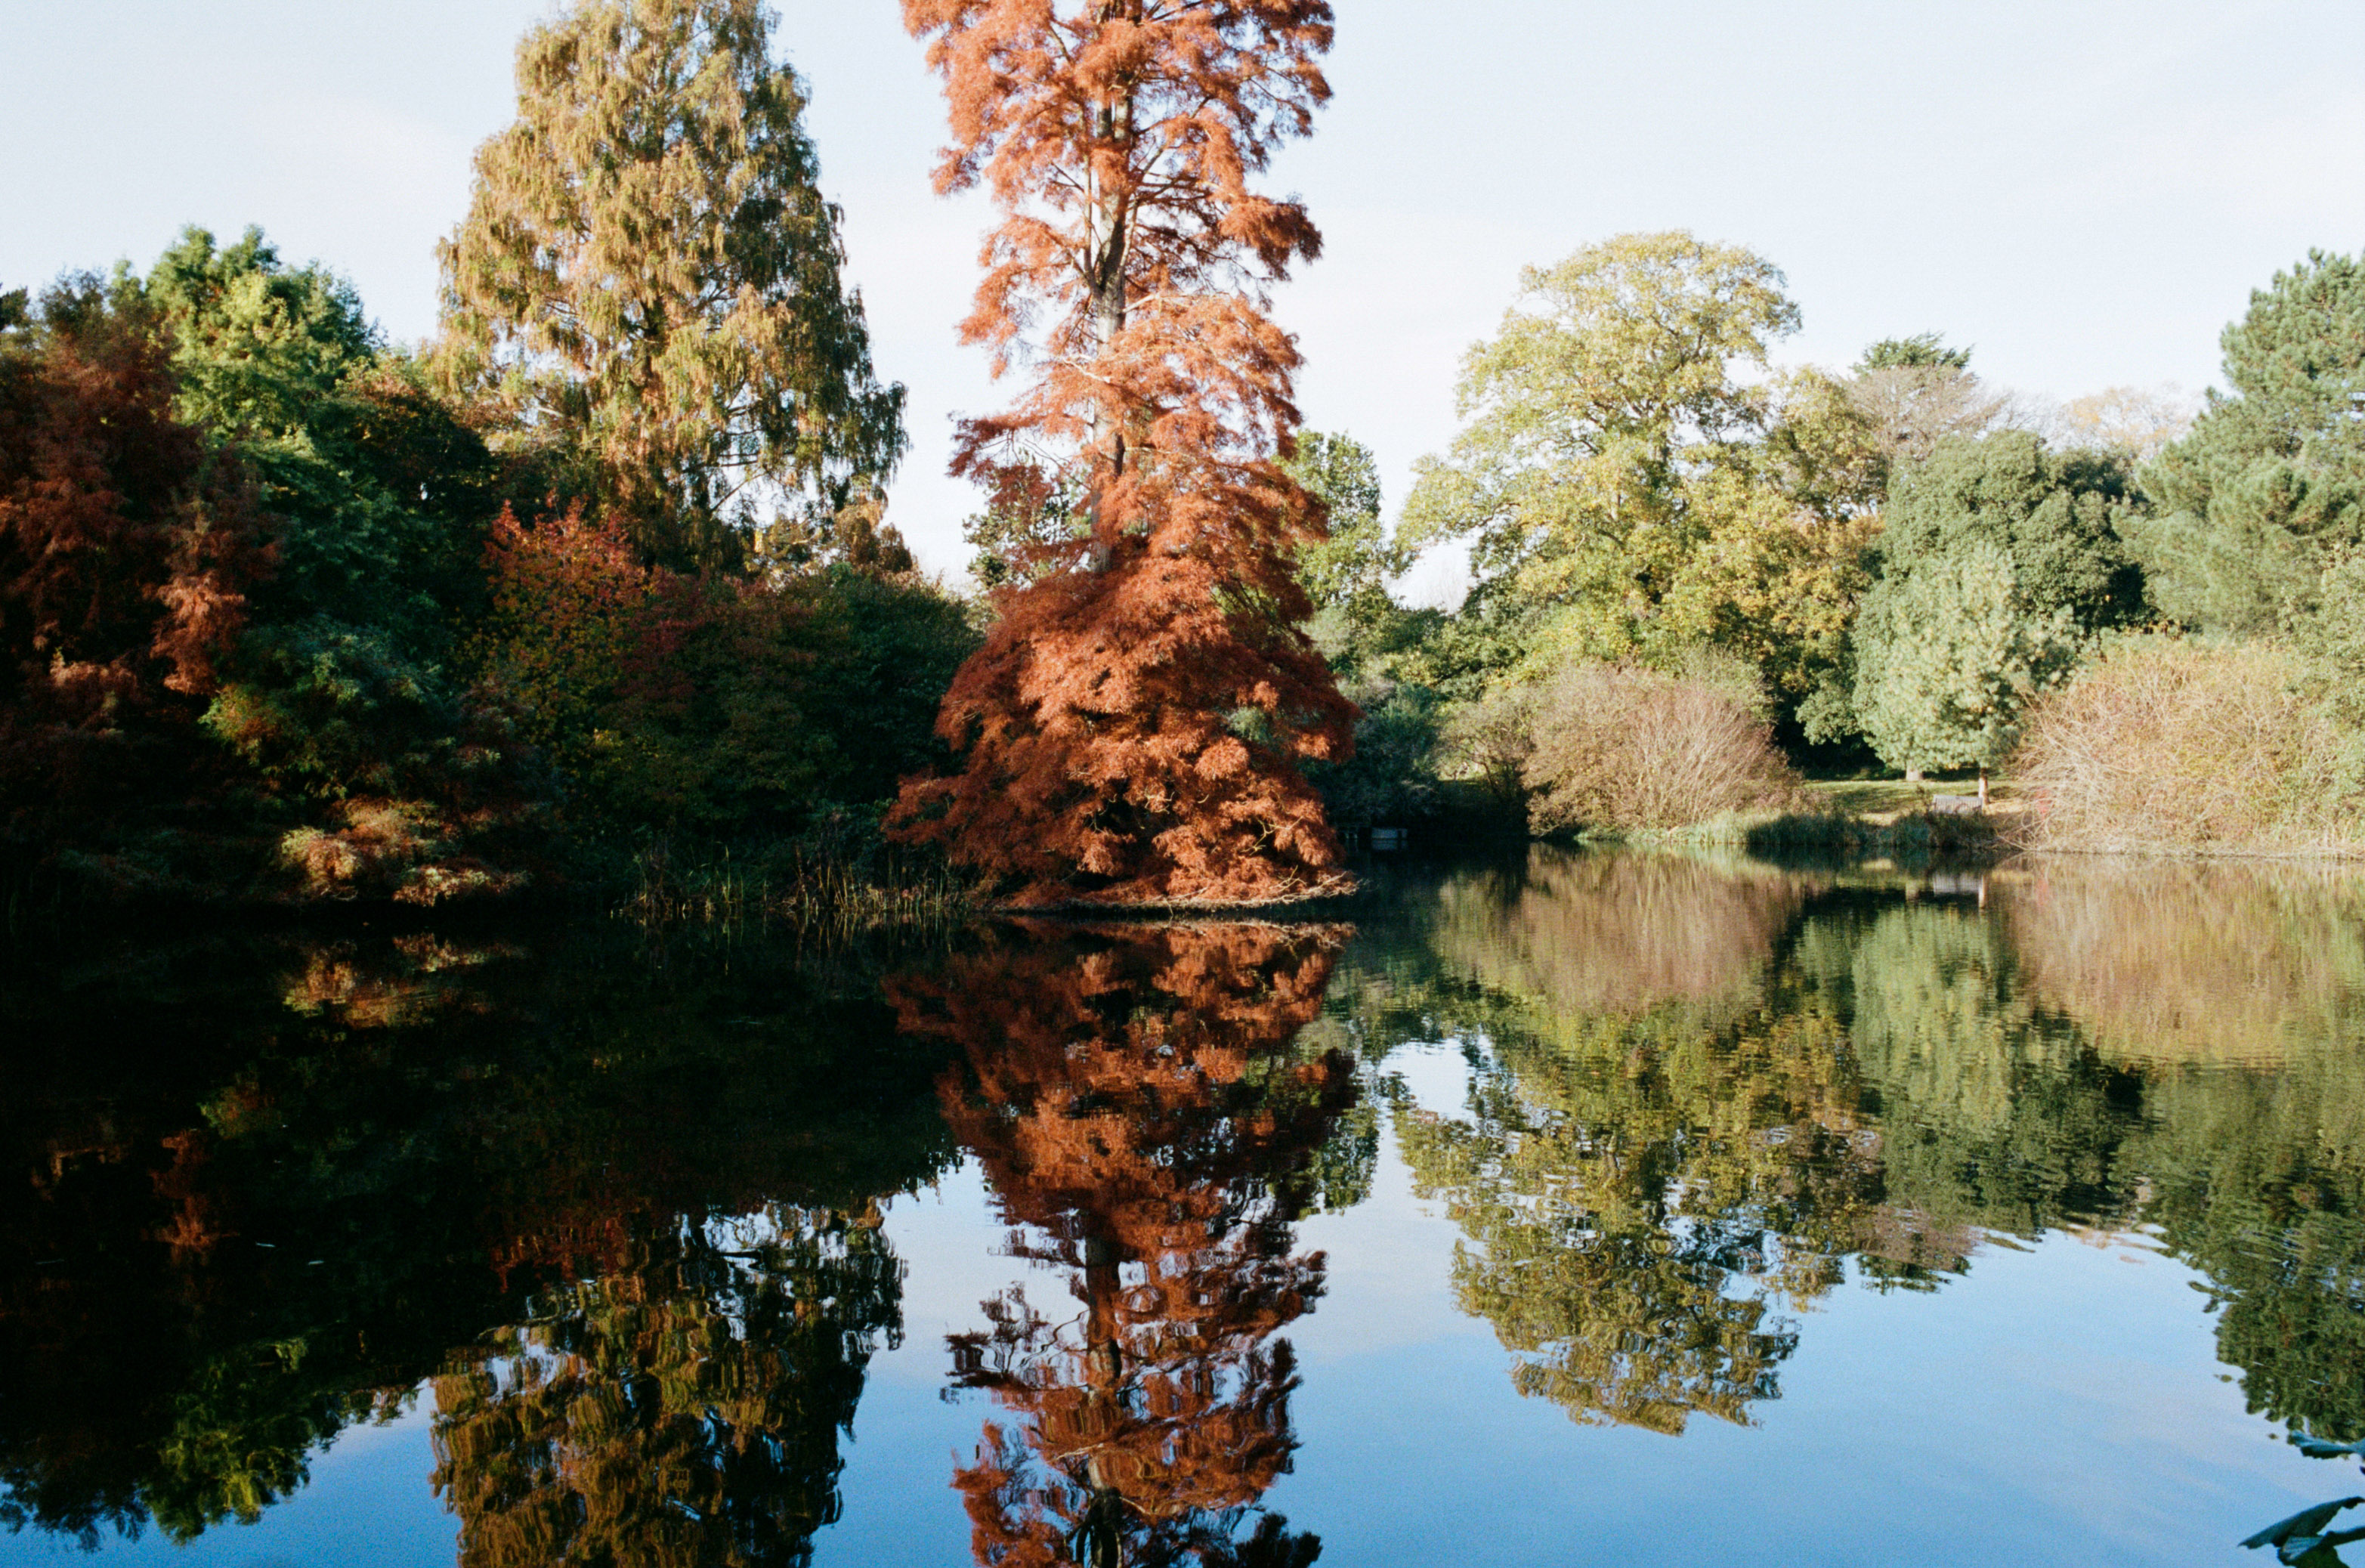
1133,726
649,270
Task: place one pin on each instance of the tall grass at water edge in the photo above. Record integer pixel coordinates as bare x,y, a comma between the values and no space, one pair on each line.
825,894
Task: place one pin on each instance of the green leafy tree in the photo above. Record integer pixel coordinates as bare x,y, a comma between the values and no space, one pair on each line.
2272,478
365,756
648,269
1635,482
1996,556
1589,420
1947,660
1346,574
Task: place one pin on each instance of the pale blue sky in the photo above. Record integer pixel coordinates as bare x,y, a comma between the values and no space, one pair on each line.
2086,191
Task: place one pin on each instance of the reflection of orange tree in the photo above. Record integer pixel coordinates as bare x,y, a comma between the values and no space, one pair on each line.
684,1409
1150,1133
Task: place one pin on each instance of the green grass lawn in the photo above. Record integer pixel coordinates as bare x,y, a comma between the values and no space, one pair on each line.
1885,799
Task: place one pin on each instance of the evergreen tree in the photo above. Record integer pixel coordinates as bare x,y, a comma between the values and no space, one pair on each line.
1947,659
1997,557
648,268
2271,479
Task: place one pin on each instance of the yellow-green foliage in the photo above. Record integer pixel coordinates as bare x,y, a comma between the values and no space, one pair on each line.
2175,745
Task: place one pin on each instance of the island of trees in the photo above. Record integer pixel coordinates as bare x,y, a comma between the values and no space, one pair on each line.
597,589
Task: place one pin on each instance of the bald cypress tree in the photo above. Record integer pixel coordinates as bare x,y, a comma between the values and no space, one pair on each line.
649,274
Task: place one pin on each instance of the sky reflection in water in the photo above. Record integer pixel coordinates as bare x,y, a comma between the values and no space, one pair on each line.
1576,1209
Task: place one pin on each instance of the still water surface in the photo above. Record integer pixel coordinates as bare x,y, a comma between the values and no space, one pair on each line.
1583,1209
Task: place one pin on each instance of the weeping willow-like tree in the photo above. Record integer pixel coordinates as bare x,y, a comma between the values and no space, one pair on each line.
648,276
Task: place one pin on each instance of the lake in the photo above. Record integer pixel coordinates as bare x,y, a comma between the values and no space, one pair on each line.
1568,1208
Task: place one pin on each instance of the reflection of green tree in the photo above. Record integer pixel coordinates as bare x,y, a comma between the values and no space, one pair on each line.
685,1411
444,1128
2259,1184
1645,1175
1637,1191
1995,1111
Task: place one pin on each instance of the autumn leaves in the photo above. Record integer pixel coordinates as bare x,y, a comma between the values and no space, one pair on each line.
1131,731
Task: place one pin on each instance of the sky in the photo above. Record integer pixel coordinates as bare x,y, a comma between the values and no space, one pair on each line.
2083,191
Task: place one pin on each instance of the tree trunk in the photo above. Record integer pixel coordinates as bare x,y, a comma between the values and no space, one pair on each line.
1913,776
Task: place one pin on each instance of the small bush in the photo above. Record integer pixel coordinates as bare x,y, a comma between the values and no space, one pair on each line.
2170,745
1620,748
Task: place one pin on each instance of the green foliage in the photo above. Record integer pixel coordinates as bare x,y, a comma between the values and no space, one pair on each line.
1392,779
365,756
2057,516
713,703
1921,350
1634,493
883,650
2273,476
1948,658
1347,571
1997,557
648,268
1591,419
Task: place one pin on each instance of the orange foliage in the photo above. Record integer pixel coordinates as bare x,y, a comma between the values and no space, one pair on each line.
1133,725
676,697
125,551
1135,1105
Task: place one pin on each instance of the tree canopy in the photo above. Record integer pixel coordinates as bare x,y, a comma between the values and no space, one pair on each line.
2271,479
649,274
1997,556
1131,729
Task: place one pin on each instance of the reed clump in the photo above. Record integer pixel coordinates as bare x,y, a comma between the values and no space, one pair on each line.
2176,745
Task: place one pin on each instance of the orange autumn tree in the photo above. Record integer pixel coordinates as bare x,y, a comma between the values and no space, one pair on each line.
1150,1135
1131,729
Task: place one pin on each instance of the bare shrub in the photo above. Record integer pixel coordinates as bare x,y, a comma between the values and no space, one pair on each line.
1621,747
2170,745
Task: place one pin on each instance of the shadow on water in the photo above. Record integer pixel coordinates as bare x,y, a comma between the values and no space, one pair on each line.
615,1214
621,1210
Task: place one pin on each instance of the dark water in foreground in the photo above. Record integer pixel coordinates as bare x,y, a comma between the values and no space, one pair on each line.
1586,1210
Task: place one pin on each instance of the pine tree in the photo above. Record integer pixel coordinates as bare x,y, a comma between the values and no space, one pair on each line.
1132,727
2270,482
649,269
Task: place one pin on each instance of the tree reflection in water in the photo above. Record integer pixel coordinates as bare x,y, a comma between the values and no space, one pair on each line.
683,1407
1133,1096
1711,1097
618,1208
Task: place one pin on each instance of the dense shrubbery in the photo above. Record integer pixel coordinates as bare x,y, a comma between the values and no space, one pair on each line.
274,628
2179,743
